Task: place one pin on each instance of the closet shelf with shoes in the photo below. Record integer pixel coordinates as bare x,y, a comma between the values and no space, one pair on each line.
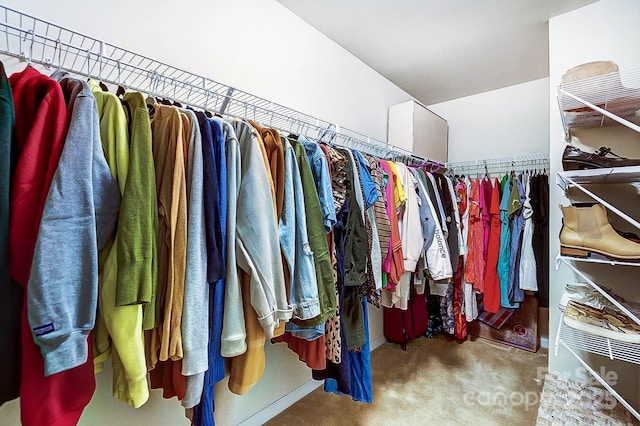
606,297
598,94
610,175
592,318
577,339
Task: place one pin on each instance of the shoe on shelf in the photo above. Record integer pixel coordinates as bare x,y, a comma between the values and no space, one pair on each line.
587,230
575,159
588,295
585,294
605,322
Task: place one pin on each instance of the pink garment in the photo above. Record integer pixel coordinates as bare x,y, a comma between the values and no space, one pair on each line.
474,268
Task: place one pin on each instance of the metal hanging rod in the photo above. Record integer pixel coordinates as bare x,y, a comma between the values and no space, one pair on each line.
515,161
40,42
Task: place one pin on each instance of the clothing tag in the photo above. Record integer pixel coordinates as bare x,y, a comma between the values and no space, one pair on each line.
43,329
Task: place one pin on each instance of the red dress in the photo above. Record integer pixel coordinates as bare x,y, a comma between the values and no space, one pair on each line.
491,281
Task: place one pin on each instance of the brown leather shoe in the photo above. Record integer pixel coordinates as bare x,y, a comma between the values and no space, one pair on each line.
575,159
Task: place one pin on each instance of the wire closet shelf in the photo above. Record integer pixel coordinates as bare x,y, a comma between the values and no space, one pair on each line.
40,42
600,101
503,164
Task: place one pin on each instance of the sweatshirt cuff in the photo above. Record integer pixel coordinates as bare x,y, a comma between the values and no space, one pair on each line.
233,346
134,282
410,265
70,353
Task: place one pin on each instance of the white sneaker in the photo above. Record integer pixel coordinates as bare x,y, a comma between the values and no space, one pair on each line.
585,294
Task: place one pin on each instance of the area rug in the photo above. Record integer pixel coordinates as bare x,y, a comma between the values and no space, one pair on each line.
571,403
496,320
520,330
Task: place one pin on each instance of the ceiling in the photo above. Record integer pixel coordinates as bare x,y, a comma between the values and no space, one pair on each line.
438,50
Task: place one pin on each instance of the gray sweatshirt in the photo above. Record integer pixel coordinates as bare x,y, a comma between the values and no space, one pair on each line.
79,218
195,311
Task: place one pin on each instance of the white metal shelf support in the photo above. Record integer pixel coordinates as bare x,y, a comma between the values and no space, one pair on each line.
589,281
593,259
574,340
603,382
566,179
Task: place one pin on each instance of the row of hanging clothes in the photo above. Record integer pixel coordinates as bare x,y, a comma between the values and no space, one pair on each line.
504,215
178,243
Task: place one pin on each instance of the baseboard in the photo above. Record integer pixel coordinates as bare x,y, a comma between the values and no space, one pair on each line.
272,410
377,342
544,342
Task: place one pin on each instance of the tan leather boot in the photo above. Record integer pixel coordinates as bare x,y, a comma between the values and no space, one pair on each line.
587,229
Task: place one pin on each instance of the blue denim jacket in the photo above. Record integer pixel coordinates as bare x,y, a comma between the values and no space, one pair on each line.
320,170
369,190
294,242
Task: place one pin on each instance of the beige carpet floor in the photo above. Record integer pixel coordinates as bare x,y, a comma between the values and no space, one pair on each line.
436,382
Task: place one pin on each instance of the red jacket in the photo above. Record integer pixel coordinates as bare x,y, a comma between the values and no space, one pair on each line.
41,128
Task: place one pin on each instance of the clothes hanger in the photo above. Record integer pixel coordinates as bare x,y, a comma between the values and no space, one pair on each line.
174,102
100,82
151,100
207,113
163,100
29,58
120,91
329,133
486,172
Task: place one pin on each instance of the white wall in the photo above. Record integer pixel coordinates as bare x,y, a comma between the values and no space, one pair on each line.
257,46
606,30
260,47
504,122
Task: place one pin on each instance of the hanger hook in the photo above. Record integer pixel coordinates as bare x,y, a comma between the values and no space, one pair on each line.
29,57
55,50
174,83
119,72
156,83
88,63
100,53
189,93
215,107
